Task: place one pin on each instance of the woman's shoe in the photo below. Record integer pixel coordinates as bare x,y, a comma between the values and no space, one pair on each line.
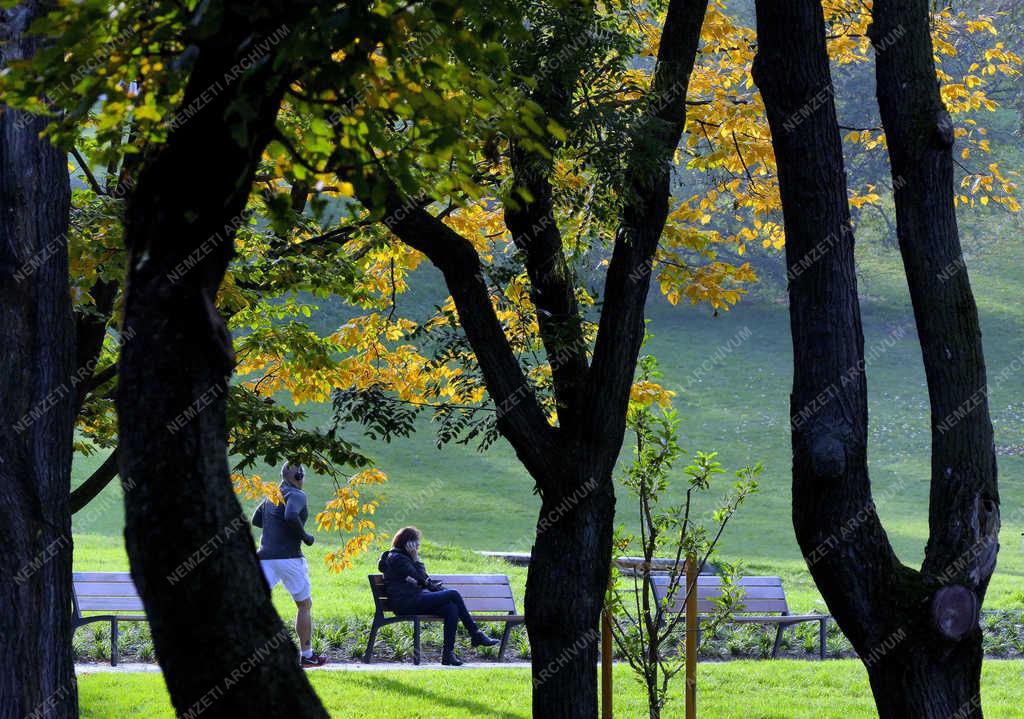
451,659
479,639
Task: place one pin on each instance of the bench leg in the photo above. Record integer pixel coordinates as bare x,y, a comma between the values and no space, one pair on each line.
368,654
504,641
822,636
113,642
416,641
778,641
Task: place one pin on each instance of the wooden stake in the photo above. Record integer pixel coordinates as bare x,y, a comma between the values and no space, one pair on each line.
691,638
606,663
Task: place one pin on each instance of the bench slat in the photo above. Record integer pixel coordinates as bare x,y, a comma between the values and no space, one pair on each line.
712,579
766,593
479,605
778,619
471,592
477,617
481,590
110,604
490,605
101,589
498,579
744,605
472,578
101,577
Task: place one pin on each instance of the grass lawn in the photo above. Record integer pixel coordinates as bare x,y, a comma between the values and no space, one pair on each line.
744,690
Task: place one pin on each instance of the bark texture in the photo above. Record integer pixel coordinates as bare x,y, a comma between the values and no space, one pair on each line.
36,407
915,630
222,647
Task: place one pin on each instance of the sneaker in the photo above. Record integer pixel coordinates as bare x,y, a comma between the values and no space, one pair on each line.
316,660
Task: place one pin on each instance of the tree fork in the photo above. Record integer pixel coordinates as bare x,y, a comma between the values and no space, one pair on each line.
916,632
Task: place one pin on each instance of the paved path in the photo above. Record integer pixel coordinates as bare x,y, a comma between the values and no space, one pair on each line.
140,668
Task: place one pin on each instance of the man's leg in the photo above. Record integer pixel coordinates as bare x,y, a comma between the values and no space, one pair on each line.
304,625
297,583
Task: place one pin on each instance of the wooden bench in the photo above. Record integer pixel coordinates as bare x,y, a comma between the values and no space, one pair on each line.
114,594
763,602
488,598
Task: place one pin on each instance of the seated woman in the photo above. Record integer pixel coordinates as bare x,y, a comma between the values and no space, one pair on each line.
412,591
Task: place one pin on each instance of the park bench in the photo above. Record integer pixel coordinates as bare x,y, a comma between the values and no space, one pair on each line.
488,598
763,602
112,593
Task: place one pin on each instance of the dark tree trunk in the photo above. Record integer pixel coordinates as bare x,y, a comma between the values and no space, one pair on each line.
916,631
36,407
565,586
217,636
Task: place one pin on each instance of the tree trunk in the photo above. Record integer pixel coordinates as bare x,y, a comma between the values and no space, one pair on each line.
218,639
37,407
964,502
916,631
565,587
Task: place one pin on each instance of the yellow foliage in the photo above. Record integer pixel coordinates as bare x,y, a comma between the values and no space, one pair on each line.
255,488
345,514
645,393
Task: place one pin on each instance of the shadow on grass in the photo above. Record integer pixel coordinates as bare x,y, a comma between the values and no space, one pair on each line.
447,700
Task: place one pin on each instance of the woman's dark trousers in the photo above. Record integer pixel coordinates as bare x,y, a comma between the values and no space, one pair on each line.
448,604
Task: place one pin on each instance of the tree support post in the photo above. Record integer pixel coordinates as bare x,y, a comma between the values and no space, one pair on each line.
606,659
691,638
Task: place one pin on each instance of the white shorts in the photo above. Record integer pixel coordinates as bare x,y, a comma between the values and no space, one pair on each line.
293,572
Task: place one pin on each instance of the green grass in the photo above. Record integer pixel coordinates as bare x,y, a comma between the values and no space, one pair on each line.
740,690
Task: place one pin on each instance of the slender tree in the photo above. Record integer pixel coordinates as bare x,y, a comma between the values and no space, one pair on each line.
37,407
916,630
572,463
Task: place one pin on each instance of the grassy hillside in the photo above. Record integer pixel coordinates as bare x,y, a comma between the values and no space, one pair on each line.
732,374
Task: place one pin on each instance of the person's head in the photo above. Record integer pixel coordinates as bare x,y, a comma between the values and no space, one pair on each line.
293,473
406,538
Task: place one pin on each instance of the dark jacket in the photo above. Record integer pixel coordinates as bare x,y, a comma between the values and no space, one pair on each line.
283,525
396,565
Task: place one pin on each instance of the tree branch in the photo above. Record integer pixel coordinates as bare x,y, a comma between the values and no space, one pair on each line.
87,171
101,477
655,139
531,220
520,418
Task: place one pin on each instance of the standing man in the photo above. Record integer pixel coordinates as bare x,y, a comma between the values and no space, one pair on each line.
281,553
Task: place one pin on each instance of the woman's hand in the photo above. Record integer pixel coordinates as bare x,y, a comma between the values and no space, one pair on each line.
412,581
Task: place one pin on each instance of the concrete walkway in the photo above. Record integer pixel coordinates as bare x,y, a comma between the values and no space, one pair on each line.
140,668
